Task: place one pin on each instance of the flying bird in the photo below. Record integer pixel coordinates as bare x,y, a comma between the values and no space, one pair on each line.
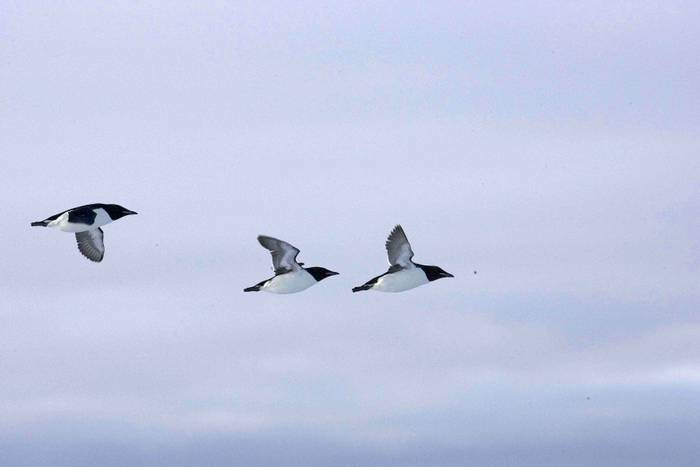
290,275
403,273
85,222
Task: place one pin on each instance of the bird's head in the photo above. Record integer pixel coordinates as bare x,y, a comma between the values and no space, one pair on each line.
434,273
116,211
320,273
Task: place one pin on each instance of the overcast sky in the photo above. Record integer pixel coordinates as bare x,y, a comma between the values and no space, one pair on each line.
553,147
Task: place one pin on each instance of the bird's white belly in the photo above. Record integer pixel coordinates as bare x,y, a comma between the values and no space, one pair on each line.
400,281
61,223
290,282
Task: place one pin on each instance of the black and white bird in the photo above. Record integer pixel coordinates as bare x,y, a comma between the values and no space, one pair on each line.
290,275
403,273
85,222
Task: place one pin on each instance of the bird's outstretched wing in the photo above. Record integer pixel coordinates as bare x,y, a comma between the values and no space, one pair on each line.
398,249
284,255
91,244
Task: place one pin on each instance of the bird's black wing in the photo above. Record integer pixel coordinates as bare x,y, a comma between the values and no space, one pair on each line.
82,216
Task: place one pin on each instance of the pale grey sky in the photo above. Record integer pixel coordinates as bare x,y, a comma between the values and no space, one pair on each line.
551,146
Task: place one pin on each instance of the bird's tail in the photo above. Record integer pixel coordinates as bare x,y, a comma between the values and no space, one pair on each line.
40,224
255,288
360,288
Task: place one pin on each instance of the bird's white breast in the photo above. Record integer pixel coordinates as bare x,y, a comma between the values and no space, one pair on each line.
61,223
290,282
402,280
102,218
